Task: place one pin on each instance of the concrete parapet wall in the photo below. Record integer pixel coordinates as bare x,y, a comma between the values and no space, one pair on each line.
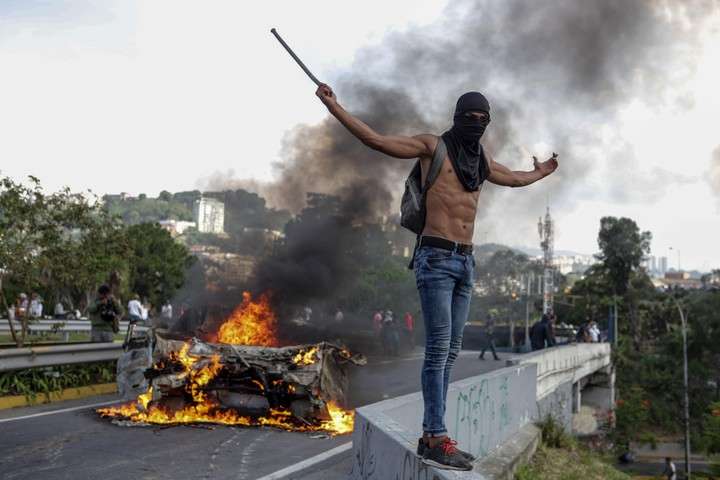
482,413
565,364
489,415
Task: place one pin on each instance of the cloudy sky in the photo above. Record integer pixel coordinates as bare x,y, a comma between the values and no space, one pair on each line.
172,94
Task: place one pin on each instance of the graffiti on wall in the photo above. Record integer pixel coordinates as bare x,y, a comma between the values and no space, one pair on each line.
366,464
482,414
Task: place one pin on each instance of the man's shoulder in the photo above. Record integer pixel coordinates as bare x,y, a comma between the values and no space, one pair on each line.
431,141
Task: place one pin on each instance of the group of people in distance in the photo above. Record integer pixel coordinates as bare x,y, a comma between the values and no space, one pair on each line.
389,331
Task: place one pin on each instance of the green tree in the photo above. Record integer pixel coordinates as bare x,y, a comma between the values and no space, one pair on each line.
93,246
60,244
622,249
157,262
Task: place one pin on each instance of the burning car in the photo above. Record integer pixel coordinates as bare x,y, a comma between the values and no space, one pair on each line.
241,378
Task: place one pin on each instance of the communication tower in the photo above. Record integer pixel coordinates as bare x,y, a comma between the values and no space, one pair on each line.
546,229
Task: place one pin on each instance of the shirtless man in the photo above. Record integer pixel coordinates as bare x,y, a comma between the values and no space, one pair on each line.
443,261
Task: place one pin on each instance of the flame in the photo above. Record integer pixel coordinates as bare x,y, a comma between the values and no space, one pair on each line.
342,421
306,357
144,399
203,409
252,323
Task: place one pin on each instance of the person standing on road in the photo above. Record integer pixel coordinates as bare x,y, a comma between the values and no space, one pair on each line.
443,259
489,337
541,334
377,323
410,329
135,309
594,332
166,312
36,306
59,311
670,471
105,313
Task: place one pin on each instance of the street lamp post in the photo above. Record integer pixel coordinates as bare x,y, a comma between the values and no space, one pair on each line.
686,402
527,312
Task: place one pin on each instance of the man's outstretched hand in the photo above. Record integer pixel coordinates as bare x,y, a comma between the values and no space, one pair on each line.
548,166
326,95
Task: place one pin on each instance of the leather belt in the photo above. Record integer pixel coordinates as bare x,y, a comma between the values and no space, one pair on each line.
446,244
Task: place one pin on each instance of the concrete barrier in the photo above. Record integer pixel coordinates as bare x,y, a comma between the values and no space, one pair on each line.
490,415
483,412
561,373
565,364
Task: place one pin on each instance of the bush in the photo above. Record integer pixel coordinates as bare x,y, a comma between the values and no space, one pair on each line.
632,414
554,435
34,381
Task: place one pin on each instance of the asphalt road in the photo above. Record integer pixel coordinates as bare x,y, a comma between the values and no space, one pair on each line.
77,444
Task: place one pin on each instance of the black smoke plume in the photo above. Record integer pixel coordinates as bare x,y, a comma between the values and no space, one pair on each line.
557,74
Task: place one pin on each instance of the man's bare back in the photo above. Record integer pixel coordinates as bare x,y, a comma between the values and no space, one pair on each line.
451,209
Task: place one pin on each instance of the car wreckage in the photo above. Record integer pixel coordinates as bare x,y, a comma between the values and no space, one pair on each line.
173,380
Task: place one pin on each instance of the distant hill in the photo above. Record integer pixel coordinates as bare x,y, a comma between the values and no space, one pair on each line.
487,249
534,252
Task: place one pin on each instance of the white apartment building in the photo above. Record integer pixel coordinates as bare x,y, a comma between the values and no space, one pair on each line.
209,215
573,263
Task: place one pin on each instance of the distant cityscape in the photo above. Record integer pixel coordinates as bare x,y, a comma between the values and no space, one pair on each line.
209,217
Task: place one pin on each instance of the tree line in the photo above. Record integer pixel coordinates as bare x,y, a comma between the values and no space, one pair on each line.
63,245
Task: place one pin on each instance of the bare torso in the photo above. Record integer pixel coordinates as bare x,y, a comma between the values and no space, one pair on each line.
450,208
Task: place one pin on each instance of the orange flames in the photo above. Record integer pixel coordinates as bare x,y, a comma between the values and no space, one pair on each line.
306,357
252,323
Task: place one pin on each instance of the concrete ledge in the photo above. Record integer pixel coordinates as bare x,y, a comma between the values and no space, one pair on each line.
483,413
516,451
565,364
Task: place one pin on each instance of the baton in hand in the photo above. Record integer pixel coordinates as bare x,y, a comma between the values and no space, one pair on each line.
295,57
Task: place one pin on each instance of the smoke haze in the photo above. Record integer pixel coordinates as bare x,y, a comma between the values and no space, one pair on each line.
714,178
557,75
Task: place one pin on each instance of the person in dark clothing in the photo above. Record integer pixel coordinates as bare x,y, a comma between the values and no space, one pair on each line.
582,335
541,334
670,472
105,313
489,338
390,335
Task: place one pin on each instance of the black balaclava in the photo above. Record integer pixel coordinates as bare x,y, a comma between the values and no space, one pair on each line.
463,141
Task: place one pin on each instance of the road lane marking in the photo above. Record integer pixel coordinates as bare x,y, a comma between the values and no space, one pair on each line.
62,410
307,462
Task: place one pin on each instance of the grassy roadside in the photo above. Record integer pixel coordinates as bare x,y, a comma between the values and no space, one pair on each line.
561,457
573,463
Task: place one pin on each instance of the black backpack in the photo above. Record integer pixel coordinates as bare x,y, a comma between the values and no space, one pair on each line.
107,311
412,206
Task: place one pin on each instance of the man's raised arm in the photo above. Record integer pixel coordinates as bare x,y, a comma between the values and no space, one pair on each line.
394,145
501,175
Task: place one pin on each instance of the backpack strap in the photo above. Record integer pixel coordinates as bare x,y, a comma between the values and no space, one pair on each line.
436,165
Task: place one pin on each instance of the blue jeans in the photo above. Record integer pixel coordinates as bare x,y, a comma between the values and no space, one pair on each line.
444,281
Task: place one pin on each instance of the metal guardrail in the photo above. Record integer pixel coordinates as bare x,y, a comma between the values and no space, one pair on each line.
32,357
57,326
